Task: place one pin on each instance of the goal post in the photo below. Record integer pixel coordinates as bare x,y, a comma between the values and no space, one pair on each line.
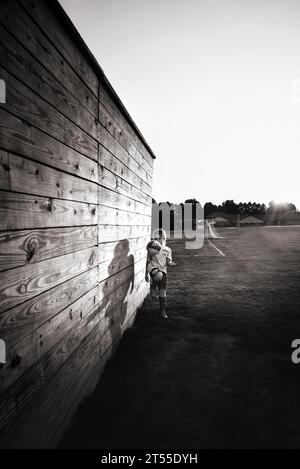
210,231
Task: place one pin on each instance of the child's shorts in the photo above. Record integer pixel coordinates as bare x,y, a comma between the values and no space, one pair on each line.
162,284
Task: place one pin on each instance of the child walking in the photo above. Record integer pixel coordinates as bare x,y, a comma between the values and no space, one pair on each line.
158,259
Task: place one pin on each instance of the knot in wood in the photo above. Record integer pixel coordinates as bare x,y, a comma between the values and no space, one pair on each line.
15,361
31,247
92,258
50,206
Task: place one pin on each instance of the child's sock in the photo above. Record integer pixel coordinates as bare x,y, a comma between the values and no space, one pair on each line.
162,306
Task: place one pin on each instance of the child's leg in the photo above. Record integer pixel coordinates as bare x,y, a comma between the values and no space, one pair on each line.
162,306
153,290
153,284
163,297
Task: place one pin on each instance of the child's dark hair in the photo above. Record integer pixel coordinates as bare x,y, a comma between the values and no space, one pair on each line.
159,233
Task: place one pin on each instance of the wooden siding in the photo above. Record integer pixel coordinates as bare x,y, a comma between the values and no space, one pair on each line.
75,217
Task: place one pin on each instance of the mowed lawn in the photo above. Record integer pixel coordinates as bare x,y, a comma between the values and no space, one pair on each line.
218,373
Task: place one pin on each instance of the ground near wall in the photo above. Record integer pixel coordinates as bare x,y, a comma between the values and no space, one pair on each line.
218,373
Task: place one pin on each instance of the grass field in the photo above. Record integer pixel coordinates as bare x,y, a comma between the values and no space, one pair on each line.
218,373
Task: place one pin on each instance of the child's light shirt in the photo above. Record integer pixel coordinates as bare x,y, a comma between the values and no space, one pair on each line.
160,260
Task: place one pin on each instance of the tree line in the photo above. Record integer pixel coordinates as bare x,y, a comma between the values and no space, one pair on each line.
250,208
273,211
230,207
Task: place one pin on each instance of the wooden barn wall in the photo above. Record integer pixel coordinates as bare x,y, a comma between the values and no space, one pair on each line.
75,216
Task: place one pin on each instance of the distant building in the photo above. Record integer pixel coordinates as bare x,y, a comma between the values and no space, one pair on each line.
251,220
290,219
220,219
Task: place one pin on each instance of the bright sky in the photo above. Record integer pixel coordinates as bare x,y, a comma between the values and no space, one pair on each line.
213,85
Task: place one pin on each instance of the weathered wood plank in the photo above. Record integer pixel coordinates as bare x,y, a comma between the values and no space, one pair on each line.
22,283
19,248
84,387
115,114
120,273
56,32
111,290
113,308
108,268
28,387
72,380
87,388
96,301
95,376
107,120
119,201
33,346
113,331
30,177
61,38
27,105
114,147
117,233
28,247
21,211
68,382
107,251
18,137
110,180
33,178
22,320
109,161
4,170
120,285
121,217
20,63
25,391
35,41
75,216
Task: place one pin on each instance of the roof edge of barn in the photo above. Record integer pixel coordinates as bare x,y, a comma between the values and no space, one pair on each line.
54,4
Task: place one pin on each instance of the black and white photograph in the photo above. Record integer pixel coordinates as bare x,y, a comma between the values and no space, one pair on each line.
149,227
